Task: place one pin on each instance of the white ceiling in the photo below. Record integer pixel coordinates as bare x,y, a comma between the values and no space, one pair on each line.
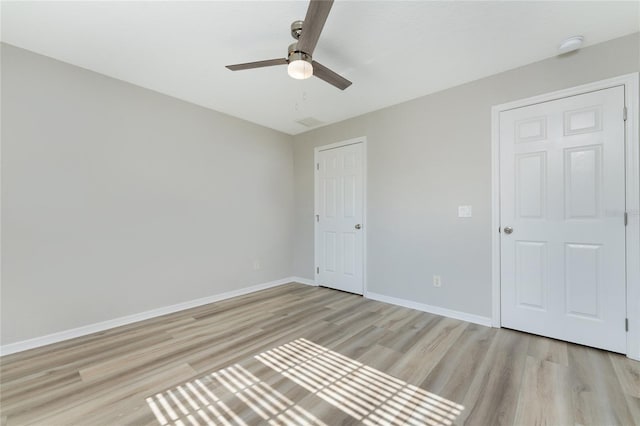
393,51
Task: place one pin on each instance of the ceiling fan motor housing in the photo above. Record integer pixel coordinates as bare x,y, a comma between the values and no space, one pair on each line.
293,53
297,55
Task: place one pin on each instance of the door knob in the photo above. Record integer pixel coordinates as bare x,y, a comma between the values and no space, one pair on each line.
358,226
508,230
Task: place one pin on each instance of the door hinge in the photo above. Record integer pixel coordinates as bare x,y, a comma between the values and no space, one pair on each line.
317,269
317,166
499,229
626,324
317,218
626,218
624,114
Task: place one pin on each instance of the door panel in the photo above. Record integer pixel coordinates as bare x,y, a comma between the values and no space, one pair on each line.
330,251
562,190
583,265
583,182
341,202
531,272
531,184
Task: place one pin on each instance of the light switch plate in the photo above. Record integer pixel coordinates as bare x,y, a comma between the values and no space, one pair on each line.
464,211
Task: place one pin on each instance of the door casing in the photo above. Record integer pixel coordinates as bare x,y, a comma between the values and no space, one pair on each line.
632,195
316,193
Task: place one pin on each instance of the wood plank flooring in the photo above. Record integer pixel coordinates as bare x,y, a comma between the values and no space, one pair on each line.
303,355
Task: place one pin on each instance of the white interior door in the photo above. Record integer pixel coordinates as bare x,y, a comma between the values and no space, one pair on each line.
340,206
562,196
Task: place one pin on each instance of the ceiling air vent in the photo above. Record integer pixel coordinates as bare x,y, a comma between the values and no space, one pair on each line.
309,122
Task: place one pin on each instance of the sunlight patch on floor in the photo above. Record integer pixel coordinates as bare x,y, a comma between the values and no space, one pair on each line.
234,396
364,393
196,403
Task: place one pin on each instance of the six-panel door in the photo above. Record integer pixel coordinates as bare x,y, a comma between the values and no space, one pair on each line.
340,205
562,191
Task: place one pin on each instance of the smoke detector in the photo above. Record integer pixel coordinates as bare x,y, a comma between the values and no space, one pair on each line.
570,44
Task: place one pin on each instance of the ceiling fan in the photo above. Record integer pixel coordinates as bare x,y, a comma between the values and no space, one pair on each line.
299,58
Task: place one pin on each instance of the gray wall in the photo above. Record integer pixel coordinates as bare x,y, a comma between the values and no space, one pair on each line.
117,200
426,157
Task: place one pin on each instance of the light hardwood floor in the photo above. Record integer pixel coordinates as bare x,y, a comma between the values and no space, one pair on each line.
303,355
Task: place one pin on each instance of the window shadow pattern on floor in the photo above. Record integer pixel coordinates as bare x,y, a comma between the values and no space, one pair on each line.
364,393
211,400
368,395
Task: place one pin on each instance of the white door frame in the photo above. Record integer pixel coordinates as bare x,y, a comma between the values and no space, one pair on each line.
316,204
632,159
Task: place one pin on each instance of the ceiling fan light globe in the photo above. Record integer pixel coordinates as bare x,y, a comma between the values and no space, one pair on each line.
300,69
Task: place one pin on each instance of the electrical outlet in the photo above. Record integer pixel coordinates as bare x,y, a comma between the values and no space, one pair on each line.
436,281
256,265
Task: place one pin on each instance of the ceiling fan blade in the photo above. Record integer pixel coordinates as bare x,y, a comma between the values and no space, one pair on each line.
317,14
258,64
329,76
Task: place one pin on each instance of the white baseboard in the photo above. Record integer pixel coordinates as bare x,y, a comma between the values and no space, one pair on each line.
476,319
129,319
306,281
117,322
